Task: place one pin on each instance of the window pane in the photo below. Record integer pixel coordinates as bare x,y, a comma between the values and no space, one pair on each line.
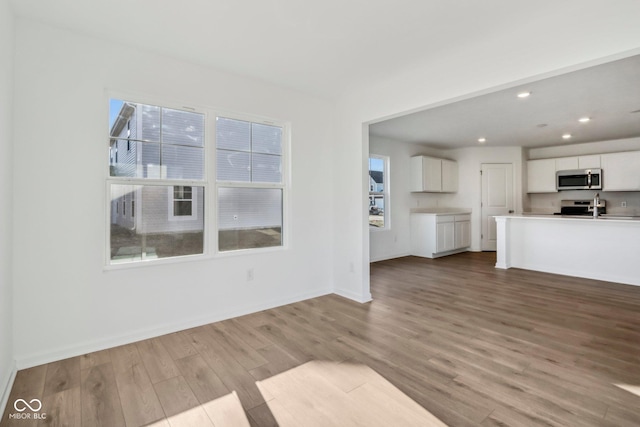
266,168
266,139
149,230
182,127
233,134
376,175
183,162
376,211
134,158
149,122
249,218
233,166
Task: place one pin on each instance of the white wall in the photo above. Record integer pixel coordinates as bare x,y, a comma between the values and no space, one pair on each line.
550,202
66,303
6,195
489,61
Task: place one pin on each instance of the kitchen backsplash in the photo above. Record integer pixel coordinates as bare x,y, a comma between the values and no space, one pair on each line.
550,202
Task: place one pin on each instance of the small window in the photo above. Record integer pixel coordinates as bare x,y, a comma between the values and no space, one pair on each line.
378,192
182,201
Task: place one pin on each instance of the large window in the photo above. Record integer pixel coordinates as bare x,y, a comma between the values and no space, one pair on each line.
378,192
250,184
157,183
157,173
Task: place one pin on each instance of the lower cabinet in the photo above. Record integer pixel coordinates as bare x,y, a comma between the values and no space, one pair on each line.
434,235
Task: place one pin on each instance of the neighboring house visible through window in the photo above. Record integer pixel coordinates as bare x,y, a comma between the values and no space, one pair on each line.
378,191
156,158
157,167
250,184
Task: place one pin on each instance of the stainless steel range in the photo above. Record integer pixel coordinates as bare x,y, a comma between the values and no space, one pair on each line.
581,207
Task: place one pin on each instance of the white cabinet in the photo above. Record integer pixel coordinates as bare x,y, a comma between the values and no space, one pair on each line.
578,162
449,176
621,171
432,175
463,231
541,176
589,162
445,233
434,235
566,163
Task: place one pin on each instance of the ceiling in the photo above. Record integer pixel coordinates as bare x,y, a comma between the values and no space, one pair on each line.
609,94
328,48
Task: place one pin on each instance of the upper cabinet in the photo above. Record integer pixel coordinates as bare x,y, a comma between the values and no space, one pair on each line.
541,176
578,162
432,175
621,171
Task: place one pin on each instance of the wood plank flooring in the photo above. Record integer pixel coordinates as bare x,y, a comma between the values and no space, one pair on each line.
472,345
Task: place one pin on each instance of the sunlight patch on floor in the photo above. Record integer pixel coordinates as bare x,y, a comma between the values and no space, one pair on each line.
635,389
323,394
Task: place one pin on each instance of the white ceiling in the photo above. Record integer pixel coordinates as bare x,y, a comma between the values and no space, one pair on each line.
318,47
609,94
326,48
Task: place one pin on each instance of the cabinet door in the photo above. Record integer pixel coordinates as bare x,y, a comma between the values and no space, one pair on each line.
449,176
463,234
566,163
589,162
621,171
541,176
431,174
445,232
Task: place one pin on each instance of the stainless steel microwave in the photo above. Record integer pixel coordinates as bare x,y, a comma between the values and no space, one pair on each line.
579,179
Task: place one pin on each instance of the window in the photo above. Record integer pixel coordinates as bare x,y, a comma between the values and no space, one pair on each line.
250,185
157,182
156,157
183,204
378,191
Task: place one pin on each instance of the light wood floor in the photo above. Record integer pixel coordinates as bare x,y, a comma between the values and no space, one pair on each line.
471,344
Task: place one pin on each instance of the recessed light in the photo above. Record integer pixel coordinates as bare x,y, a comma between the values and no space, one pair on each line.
524,94
482,140
566,136
584,119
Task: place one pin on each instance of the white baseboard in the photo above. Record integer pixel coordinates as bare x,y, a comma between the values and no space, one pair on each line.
353,295
30,360
6,386
386,257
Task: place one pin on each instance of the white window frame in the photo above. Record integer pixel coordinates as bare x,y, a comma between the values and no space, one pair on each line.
283,185
209,183
386,193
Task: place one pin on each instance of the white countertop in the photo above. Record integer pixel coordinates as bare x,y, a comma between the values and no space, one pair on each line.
441,211
586,219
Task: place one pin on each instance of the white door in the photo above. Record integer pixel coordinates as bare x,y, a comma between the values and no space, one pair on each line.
497,199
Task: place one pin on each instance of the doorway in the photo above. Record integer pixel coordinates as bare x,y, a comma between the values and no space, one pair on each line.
497,199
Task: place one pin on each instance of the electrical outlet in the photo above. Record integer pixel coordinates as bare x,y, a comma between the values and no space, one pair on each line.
249,274
623,204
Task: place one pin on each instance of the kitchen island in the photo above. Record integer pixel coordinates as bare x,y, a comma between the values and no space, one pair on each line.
602,249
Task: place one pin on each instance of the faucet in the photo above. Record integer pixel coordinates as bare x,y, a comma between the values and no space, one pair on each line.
596,202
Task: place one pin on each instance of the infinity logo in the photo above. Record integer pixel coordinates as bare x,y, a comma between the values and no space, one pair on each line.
27,405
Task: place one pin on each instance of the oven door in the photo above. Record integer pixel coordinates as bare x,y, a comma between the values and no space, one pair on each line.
589,179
